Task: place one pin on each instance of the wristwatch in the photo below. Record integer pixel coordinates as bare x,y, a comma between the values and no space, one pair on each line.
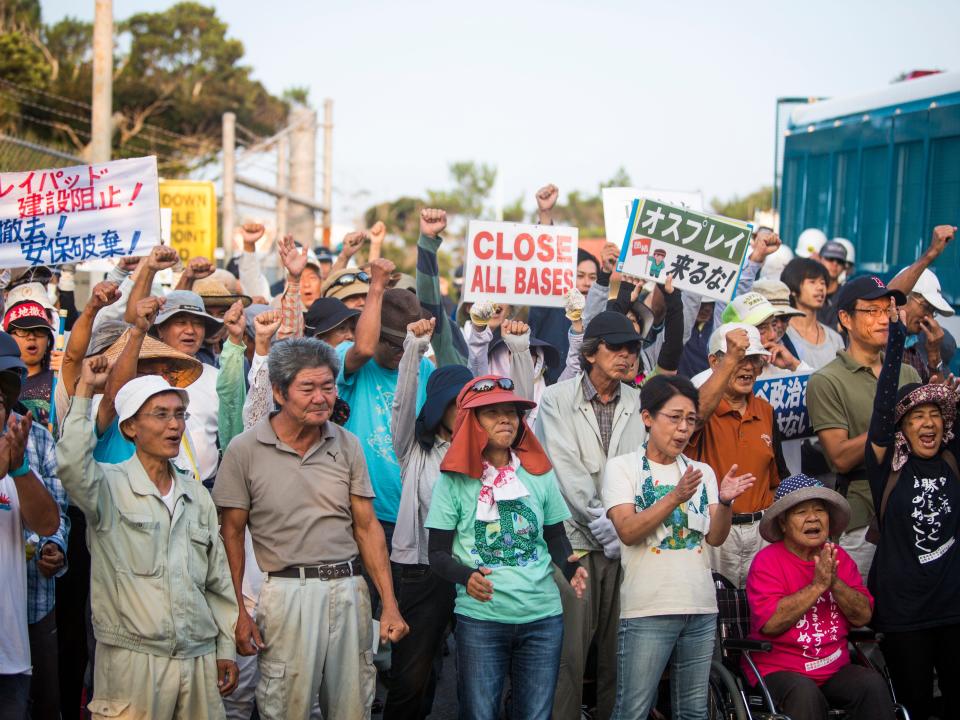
726,504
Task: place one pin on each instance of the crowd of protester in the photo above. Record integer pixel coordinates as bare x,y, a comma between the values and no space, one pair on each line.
232,499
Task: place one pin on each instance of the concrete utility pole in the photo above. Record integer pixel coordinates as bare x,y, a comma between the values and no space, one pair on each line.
327,168
303,168
228,207
283,182
101,122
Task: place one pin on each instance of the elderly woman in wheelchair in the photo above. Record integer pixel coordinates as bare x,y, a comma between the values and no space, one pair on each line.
805,594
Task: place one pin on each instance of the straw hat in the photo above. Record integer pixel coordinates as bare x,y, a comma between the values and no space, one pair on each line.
216,294
184,369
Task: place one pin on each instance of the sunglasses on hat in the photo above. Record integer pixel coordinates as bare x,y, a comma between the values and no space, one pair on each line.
487,385
350,278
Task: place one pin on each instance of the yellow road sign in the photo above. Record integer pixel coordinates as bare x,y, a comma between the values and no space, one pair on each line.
193,226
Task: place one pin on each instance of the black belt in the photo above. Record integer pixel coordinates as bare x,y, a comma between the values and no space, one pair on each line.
744,518
321,572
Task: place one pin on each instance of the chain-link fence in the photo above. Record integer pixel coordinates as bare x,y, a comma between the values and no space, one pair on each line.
17,154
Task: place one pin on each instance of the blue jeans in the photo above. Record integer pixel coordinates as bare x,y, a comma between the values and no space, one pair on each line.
487,651
646,645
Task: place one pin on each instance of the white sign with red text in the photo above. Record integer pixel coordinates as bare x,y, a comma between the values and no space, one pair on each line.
518,264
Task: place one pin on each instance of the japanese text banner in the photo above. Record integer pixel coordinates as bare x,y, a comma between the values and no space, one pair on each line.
77,214
519,264
788,396
703,252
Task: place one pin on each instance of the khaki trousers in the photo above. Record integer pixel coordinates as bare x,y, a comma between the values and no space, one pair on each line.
318,637
136,686
595,616
733,558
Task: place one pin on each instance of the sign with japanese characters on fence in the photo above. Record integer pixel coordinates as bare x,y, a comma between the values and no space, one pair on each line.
703,252
788,396
76,214
519,264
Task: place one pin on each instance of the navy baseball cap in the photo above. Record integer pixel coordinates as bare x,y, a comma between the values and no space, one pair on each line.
865,287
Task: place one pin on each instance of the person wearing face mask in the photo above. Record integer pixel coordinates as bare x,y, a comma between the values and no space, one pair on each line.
738,428
666,508
911,459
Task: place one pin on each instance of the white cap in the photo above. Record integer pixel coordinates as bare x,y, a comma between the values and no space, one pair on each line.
776,262
135,393
928,286
851,253
718,339
810,242
33,291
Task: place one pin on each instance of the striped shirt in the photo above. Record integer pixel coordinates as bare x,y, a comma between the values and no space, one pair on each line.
604,411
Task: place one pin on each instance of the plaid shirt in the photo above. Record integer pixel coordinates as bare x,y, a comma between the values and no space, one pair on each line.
604,411
42,457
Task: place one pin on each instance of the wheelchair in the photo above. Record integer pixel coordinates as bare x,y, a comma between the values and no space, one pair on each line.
731,697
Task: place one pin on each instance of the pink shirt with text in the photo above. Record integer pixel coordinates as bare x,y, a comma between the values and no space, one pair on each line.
816,645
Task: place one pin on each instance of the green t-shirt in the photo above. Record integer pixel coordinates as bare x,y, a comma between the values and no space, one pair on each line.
523,586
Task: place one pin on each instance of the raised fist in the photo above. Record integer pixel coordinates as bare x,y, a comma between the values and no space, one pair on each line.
547,197
432,221
162,257
380,271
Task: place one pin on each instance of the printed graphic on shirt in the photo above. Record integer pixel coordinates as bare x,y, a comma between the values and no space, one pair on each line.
930,508
510,541
681,536
4,502
817,627
380,441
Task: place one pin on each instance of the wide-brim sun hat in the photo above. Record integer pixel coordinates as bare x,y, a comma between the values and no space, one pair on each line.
216,294
443,387
189,303
132,396
798,489
777,294
184,369
326,314
335,287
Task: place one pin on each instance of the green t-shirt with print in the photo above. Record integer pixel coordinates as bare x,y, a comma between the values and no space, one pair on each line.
513,547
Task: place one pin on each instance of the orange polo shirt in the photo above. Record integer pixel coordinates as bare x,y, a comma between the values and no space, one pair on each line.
747,440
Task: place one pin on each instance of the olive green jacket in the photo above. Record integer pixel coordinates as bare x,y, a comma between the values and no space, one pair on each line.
159,584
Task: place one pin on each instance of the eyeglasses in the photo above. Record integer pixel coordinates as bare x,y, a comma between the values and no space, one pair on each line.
632,347
677,418
488,385
25,333
163,416
873,312
350,278
924,305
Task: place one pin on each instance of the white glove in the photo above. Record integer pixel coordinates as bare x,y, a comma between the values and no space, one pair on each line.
602,528
612,550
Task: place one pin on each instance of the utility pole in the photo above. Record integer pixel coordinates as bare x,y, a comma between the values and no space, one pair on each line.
228,206
101,102
301,222
327,168
283,183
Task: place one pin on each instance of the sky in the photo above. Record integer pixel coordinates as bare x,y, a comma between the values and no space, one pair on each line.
681,94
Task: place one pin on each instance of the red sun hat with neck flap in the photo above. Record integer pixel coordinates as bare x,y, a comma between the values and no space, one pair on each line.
465,454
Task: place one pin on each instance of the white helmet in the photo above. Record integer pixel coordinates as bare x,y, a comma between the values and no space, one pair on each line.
851,254
776,262
810,242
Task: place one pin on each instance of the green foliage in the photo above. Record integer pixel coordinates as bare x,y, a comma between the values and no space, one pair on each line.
472,185
514,211
401,216
744,208
175,73
297,95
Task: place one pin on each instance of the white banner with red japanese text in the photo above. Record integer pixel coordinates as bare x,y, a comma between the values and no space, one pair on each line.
519,264
77,214
704,253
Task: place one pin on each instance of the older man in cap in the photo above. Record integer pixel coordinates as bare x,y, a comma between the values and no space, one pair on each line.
582,423
164,606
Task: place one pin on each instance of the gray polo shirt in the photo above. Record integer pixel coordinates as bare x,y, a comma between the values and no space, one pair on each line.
300,511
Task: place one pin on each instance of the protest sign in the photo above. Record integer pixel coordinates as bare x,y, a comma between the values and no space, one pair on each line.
788,396
193,223
618,202
519,264
74,214
703,252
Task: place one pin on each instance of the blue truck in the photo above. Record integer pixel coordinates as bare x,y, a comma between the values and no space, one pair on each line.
880,169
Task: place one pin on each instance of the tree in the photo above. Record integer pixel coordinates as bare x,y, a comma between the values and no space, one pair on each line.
175,73
744,208
585,211
472,185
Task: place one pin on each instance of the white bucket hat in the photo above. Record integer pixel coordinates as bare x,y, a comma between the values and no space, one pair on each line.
135,393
